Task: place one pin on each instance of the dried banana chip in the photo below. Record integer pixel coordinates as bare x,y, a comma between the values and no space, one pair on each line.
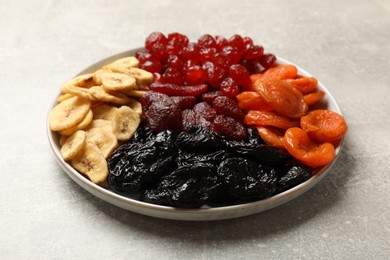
104,112
73,145
100,94
68,113
80,126
135,105
124,123
104,140
112,81
91,162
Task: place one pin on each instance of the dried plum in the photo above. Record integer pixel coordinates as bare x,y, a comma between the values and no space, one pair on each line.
188,186
292,175
188,158
253,136
246,179
135,166
259,152
199,140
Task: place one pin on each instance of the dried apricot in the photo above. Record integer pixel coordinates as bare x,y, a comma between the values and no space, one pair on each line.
300,146
282,71
304,84
272,136
269,118
324,125
251,100
281,96
314,97
255,77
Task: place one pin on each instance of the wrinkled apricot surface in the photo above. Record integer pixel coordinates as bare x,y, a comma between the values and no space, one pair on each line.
281,96
269,118
324,125
300,146
249,100
272,136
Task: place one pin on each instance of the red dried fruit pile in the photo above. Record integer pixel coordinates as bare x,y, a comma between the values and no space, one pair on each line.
210,72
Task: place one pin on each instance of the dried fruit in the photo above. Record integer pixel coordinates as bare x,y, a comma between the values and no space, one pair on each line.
324,125
175,90
269,118
282,97
299,145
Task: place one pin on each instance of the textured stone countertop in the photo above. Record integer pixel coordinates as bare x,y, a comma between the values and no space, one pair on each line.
45,215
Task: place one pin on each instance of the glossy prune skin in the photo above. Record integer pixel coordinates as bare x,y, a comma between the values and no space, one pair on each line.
135,166
292,175
260,152
199,140
187,158
253,136
188,186
247,180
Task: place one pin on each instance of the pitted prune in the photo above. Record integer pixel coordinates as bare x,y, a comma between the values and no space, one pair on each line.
198,140
247,180
292,175
135,166
188,158
259,152
143,134
188,186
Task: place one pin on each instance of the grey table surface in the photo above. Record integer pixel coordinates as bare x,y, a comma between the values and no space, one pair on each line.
45,215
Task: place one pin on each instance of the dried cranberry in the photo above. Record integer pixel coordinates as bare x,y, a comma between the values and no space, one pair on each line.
158,51
155,38
206,54
254,52
248,42
215,75
184,101
253,66
157,77
267,60
205,110
233,53
175,90
190,52
210,96
151,66
172,49
222,60
177,39
175,62
240,75
207,41
191,63
237,42
228,107
229,87
220,42
229,127
172,75
195,75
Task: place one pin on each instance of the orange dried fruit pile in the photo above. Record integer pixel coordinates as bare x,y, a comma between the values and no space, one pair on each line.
279,103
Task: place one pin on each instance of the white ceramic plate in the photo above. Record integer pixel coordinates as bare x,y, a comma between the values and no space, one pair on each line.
215,213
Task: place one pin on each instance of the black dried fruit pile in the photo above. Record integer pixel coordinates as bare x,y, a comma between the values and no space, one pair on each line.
201,167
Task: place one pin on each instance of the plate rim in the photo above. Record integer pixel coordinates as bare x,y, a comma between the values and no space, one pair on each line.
200,214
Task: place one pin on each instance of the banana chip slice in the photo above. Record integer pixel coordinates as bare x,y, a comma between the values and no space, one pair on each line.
68,113
77,91
100,123
125,63
83,81
135,93
91,163
73,145
99,93
124,123
63,97
135,105
83,124
104,112
103,139
112,81
143,77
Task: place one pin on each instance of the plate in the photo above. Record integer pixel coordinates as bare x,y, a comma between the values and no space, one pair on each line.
202,214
